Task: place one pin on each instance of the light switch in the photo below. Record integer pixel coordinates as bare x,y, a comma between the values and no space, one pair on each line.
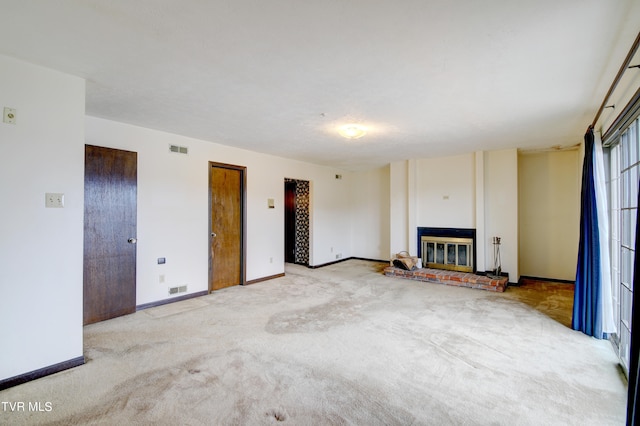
54,200
271,203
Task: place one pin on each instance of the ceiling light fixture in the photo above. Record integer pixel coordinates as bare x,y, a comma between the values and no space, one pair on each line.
352,131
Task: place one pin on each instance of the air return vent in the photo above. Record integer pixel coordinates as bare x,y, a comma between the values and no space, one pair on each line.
178,149
176,290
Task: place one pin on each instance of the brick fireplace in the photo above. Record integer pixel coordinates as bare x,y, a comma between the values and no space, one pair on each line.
449,257
452,249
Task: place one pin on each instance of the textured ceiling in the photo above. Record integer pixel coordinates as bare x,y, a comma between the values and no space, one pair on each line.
427,77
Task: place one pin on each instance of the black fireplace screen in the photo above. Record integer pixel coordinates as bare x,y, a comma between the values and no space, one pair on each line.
447,248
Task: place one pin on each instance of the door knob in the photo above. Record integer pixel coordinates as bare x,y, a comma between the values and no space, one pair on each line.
213,234
132,240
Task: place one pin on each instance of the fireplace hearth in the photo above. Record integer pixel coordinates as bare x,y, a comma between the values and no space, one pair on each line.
452,249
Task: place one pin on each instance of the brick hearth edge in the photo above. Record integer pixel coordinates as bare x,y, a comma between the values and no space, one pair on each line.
459,279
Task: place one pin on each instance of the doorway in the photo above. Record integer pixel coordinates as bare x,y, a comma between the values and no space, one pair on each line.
110,209
227,226
296,221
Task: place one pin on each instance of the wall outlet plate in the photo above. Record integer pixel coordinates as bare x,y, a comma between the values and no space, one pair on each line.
54,200
9,115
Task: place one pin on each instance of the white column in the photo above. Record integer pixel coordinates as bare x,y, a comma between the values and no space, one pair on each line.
398,215
481,263
412,220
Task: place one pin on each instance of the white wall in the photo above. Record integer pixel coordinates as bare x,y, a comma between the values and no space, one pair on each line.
330,212
445,192
40,248
173,201
549,213
501,209
370,214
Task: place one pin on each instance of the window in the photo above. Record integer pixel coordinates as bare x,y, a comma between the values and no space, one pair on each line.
624,172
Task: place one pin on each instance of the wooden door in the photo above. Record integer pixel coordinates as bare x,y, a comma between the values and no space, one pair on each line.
227,238
289,221
110,192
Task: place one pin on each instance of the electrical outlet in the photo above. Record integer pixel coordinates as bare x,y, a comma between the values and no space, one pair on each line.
162,279
54,200
9,115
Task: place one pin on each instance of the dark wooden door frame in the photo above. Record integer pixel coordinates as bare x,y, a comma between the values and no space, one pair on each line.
290,221
243,212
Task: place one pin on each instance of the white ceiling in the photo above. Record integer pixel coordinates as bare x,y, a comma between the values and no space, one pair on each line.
428,77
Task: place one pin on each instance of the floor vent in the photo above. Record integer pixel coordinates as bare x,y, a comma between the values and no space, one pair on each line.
176,290
178,149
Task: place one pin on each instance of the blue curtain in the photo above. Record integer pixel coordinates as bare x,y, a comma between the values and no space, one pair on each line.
587,312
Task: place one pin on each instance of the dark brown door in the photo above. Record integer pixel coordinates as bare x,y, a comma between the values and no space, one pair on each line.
289,221
110,188
227,189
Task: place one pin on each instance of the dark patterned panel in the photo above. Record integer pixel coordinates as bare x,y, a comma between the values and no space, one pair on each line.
302,221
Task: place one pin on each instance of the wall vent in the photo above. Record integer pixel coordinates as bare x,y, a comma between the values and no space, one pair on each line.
176,290
178,149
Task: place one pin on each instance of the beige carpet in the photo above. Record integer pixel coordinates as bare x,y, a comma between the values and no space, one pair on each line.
338,345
